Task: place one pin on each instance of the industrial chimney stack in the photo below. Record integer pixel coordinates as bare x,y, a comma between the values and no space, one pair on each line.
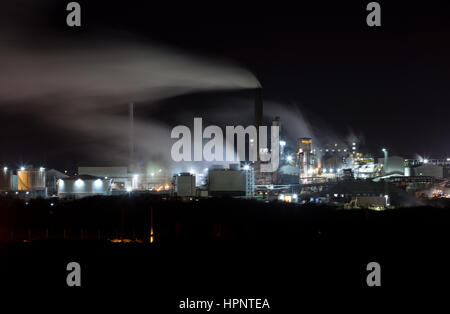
131,144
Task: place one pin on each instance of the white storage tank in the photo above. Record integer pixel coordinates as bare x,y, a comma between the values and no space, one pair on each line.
6,179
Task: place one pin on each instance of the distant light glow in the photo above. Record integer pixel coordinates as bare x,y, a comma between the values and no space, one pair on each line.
295,196
22,168
282,143
6,168
246,167
41,169
192,171
289,158
425,161
129,189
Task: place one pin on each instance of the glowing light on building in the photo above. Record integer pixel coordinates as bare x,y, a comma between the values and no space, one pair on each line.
79,183
282,143
289,158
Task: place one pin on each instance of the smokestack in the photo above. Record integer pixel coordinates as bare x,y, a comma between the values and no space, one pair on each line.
258,107
131,144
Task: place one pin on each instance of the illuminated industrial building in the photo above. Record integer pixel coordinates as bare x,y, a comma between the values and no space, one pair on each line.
305,158
84,185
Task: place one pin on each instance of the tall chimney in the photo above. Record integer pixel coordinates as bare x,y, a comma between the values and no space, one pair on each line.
131,143
258,107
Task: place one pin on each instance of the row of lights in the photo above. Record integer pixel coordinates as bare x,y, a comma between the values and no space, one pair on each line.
23,169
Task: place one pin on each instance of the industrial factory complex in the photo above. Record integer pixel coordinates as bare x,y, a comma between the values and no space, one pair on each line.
337,174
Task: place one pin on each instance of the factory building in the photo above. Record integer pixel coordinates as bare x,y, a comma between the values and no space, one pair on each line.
392,165
233,181
121,180
84,185
184,184
429,170
305,158
52,177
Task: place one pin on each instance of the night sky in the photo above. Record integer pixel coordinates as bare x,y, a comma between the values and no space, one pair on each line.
388,86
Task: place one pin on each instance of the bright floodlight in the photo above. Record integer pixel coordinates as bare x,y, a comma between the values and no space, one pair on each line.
246,167
79,183
383,150
129,189
289,158
425,161
22,168
98,183
5,168
41,169
295,196
282,143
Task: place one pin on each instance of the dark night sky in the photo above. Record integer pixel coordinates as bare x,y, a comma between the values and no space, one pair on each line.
389,85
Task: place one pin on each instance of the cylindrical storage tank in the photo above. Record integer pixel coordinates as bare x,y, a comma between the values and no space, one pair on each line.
31,179
407,171
5,179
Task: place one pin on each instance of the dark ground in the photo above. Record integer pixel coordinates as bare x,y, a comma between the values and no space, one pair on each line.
213,249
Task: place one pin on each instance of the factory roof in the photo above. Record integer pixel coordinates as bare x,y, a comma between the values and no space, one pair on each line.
84,177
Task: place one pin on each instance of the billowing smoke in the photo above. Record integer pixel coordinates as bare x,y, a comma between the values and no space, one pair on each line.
82,88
